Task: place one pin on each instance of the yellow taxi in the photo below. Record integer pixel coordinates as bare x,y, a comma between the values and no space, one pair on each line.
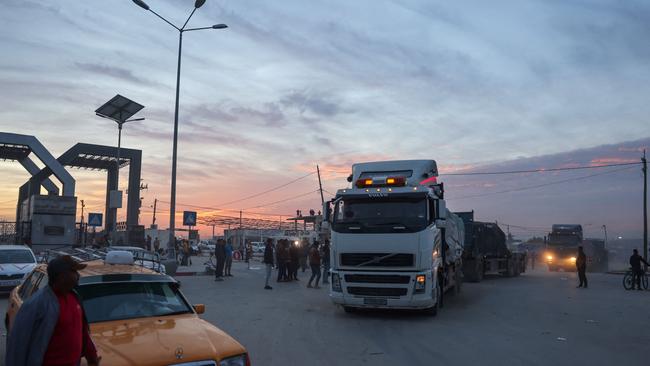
139,316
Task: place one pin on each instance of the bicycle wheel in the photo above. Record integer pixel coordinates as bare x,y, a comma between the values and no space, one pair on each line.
628,281
644,281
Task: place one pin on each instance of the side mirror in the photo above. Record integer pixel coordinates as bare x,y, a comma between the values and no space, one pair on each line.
442,210
199,308
327,211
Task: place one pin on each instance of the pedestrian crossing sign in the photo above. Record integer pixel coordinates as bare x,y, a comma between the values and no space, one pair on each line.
189,218
95,219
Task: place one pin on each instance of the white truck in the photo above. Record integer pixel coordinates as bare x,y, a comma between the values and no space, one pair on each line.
394,245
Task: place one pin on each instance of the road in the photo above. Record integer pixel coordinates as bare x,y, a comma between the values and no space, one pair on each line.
539,318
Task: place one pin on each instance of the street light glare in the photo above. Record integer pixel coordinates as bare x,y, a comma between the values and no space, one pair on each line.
142,4
198,3
219,26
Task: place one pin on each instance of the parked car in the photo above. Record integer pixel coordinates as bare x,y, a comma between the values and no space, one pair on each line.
139,317
16,261
143,257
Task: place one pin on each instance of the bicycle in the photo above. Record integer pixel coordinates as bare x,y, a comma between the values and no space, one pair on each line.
629,283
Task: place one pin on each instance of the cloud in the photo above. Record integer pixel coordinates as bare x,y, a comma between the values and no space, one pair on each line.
112,71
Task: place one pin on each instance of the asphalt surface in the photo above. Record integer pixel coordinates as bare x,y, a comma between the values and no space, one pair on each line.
539,318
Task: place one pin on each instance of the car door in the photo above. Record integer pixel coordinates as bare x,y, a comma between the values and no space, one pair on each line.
21,294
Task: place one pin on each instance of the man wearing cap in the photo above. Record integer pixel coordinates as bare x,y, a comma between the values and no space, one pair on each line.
51,327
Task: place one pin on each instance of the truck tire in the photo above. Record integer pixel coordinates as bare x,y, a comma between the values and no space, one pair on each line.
433,311
510,271
458,281
475,273
349,309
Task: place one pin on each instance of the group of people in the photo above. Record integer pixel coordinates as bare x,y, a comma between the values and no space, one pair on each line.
288,256
223,252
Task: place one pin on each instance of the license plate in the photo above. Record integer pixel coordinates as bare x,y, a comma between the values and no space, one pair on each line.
374,301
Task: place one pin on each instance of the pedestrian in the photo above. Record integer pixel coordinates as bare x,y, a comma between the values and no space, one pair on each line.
268,261
220,255
187,260
228,263
581,265
533,257
249,254
305,254
294,258
325,259
283,260
51,326
637,271
148,243
314,263
156,245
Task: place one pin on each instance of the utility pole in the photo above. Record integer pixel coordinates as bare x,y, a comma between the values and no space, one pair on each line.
155,203
212,231
605,229
241,232
320,185
82,231
645,208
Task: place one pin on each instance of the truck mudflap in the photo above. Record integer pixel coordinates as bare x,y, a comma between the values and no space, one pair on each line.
381,290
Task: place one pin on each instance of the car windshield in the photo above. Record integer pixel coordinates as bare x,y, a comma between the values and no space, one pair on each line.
125,300
16,256
389,214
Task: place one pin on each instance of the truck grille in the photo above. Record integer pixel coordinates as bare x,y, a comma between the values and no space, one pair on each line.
11,277
377,291
397,260
363,278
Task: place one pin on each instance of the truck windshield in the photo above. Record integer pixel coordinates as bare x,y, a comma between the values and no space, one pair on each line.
16,256
563,240
380,215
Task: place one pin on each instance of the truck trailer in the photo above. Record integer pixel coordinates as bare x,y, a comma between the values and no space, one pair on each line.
485,251
394,243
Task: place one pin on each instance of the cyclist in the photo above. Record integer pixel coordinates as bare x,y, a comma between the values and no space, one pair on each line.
637,271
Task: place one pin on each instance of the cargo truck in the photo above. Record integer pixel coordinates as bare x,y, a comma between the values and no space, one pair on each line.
394,243
485,251
562,249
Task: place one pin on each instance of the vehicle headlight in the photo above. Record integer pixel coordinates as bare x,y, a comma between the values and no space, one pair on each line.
573,259
241,360
420,283
336,283
549,257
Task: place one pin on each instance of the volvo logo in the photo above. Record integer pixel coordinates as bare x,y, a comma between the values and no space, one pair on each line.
179,353
377,194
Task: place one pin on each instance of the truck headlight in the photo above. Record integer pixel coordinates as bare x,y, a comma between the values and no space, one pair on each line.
336,282
549,257
241,360
420,283
573,259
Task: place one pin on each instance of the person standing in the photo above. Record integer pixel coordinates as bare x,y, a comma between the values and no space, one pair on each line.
156,245
314,263
325,259
283,259
268,261
249,254
228,263
581,265
148,243
637,271
294,259
220,255
51,326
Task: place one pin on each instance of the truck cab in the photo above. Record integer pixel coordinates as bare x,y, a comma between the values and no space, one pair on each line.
394,244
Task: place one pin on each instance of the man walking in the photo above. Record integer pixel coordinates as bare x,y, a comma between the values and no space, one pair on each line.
51,327
581,265
637,271
228,263
325,258
220,255
314,263
268,261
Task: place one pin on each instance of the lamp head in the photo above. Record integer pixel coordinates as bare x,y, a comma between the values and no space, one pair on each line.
198,3
219,26
144,5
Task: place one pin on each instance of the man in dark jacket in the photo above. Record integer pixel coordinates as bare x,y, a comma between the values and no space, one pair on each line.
294,257
268,261
637,271
581,266
314,263
220,255
325,259
51,327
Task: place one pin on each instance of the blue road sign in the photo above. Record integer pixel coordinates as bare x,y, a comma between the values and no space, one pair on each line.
95,219
189,218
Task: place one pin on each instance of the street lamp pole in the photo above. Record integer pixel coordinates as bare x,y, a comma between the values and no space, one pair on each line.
172,205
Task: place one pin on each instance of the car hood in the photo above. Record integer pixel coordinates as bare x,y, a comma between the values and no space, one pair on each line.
16,268
162,341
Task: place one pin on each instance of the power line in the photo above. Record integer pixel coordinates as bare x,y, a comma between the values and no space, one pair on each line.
267,191
284,200
540,185
541,170
224,209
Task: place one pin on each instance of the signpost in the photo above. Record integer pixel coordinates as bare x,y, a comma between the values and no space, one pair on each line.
95,219
189,218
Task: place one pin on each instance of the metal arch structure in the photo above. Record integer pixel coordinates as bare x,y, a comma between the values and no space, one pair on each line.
18,147
103,158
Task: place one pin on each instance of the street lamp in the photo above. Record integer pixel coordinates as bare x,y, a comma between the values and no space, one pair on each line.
181,30
119,109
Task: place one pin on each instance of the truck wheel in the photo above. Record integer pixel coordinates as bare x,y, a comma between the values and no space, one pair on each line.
433,311
349,309
458,278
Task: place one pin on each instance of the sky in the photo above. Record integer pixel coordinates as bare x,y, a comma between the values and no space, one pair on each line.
292,84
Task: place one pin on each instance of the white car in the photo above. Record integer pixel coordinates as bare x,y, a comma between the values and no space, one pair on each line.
16,261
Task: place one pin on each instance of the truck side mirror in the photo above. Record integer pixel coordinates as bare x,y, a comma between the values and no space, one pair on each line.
327,211
442,210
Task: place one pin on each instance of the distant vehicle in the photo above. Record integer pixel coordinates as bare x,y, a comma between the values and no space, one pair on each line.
207,246
394,243
16,261
131,309
258,247
485,251
562,249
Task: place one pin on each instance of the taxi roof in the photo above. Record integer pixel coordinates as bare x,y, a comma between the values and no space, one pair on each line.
99,268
